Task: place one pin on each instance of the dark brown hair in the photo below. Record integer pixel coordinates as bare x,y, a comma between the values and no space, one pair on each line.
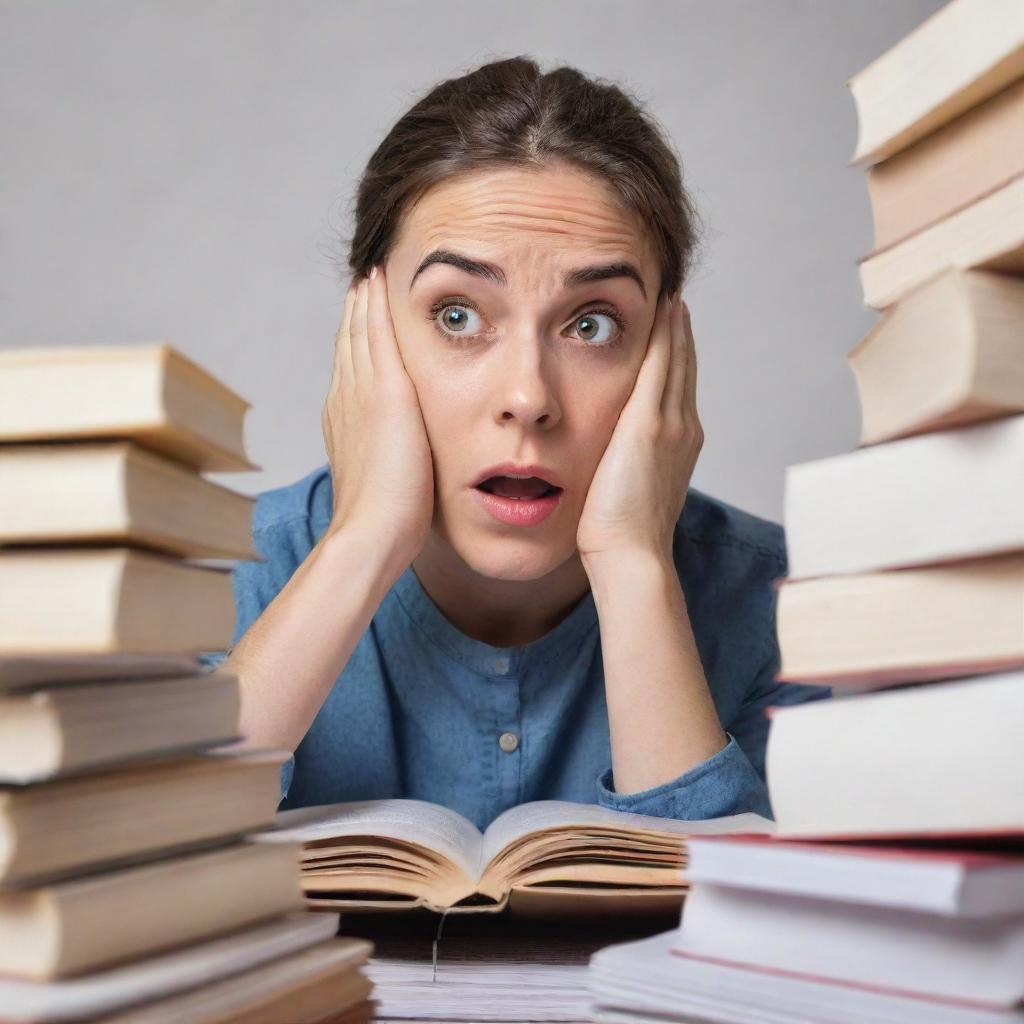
509,112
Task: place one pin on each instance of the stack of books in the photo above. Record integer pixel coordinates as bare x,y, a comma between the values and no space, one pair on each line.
130,885
893,886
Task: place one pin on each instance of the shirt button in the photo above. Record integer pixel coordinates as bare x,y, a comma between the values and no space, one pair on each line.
508,741
501,665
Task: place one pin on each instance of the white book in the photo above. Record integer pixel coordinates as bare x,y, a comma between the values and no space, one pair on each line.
940,759
927,499
936,880
898,951
643,982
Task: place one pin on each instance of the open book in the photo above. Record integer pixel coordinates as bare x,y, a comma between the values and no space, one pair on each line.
398,854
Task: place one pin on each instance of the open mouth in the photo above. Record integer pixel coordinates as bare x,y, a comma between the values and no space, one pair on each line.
518,489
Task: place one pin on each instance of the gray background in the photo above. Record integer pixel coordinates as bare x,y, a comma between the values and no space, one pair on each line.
179,170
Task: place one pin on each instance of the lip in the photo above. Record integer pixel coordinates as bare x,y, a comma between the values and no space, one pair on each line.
526,469
518,511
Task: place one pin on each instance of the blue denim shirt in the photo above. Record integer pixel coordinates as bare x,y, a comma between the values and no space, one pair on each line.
419,708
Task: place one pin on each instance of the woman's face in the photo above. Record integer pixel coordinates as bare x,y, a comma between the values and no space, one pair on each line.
512,358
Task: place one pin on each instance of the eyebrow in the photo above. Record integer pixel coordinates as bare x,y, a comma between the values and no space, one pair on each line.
494,274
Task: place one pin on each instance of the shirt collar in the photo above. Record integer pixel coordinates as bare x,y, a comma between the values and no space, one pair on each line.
482,657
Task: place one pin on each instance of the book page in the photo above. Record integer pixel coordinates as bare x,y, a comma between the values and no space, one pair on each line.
413,821
550,814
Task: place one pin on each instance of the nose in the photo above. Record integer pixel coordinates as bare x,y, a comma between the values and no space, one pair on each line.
526,387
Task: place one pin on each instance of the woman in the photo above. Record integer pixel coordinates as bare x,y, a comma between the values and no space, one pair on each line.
500,588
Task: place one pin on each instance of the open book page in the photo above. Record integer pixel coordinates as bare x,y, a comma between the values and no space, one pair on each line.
417,822
540,815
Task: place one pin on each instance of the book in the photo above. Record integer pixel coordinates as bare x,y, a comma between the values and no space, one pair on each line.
97,920
322,984
928,499
643,981
21,672
902,625
399,854
903,952
148,393
52,732
152,978
950,353
967,883
974,154
134,812
118,493
988,234
965,52
940,760
103,600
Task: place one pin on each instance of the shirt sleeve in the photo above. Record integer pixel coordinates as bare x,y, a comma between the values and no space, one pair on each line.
725,783
255,584
733,779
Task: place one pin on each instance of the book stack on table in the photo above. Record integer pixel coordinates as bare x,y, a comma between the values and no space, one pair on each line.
130,887
893,886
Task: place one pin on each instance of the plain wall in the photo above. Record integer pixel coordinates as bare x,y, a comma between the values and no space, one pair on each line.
178,170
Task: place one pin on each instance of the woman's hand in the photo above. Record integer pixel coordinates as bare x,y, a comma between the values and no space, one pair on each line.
639,489
380,459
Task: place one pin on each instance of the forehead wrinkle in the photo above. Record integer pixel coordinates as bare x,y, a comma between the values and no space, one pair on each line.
489,203
468,237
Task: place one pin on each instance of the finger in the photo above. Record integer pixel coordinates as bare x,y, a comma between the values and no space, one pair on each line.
360,349
650,381
342,370
380,329
675,388
690,396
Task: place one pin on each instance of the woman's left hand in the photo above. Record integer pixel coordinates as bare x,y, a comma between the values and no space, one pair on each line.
640,485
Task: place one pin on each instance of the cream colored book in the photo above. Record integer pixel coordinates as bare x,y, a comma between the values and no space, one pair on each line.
106,600
903,625
988,235
938,760
134,812
60,731
950,352
921,500
97,920
964,160
118,493
22,672
149,393
965,52
399,854
243,953
323,984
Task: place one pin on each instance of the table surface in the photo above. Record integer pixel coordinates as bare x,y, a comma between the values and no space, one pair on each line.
490,967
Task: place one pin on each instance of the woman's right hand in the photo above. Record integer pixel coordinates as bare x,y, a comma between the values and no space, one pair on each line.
380,459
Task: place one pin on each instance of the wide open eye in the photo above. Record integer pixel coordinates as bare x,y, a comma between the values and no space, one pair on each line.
599,328
457,318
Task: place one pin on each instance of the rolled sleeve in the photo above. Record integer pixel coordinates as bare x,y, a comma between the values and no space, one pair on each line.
725,783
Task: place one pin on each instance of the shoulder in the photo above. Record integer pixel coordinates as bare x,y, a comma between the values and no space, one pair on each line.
287,522
306,502
714,524
728,561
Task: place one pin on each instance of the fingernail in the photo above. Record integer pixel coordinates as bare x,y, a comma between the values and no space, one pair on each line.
373,272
